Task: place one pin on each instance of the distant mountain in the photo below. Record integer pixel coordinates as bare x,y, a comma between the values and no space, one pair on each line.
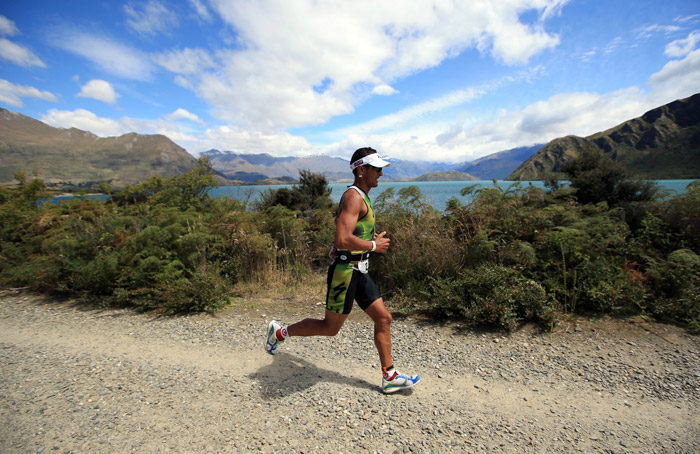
451,175
499,165
401,169
72,156
664,143
253,167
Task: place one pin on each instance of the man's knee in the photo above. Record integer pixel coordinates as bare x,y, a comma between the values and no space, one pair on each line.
331,328
384,320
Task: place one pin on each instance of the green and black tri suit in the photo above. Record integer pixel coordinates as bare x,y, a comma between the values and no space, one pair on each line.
346,283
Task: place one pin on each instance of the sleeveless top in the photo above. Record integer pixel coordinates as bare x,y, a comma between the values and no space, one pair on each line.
365,225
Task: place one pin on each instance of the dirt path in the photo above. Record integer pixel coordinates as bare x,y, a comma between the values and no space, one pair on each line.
74,380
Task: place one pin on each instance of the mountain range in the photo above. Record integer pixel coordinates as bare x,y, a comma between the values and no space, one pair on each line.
664,143
253,167
72,156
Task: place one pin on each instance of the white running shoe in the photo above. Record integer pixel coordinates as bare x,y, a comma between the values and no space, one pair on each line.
399,381
271,342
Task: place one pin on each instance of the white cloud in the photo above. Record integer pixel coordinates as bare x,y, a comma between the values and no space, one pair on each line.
186,61
88,121
108,127
201,10
650,30
151,18
509,40
677,79
409,117
682,47
684,19
400,119
18,54
232,138
109,55
285,49
181,113
384,90
613,45
100,90
7,27
12,94
580,114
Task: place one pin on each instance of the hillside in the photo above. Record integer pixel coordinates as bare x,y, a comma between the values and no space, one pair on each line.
451,175
499,165
72,156
664,143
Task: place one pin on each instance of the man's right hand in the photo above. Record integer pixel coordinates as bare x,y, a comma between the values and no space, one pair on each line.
382,242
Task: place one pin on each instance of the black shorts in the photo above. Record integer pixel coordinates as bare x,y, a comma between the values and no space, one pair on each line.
345,285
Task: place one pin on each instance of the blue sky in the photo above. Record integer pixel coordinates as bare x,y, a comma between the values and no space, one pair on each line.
428,80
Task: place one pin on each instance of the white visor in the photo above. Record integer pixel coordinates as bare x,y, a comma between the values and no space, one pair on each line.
372,160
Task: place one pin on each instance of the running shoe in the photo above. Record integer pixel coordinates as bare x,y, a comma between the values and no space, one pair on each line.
398,382
271,342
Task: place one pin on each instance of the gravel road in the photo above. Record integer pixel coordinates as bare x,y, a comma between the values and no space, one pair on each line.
113,381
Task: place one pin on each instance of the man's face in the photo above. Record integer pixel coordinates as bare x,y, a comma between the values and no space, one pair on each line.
372,175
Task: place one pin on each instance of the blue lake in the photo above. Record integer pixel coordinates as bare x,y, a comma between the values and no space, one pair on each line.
437,192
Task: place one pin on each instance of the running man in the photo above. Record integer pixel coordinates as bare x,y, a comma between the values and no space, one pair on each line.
348,281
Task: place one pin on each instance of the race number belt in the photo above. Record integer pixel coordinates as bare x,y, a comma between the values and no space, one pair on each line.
347,257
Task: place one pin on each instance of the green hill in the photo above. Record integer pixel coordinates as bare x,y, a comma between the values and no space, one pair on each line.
452,175
664,143
72,157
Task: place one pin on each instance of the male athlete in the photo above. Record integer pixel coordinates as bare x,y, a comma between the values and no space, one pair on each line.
348,281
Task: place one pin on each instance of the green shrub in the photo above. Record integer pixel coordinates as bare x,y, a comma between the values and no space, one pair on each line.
501,258
490,294
675,288
205,290
681,216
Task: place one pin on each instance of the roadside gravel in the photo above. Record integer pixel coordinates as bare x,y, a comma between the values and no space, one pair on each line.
79,380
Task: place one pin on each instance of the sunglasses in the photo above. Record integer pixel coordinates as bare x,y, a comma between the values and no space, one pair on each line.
376,169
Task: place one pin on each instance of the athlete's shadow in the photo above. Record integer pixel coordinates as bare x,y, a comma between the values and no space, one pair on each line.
289,374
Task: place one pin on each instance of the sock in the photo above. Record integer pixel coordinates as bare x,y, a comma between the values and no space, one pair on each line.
282,333
389,372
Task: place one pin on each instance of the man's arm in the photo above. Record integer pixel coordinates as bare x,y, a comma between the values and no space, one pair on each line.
351,207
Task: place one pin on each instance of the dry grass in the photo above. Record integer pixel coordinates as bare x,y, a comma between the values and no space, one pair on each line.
280,288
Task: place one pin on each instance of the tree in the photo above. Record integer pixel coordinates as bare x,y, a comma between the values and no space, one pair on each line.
311,193
599,179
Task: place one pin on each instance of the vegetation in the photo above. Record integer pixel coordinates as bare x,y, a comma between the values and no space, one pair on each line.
605,244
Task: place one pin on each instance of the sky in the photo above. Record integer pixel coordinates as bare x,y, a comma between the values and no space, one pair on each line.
443,80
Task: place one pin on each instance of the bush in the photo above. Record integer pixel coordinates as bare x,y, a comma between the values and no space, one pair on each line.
681,215
205,290
502,258
675,288
597,178
421,246
491,295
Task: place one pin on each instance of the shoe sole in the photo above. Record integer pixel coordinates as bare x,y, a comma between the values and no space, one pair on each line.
399,388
